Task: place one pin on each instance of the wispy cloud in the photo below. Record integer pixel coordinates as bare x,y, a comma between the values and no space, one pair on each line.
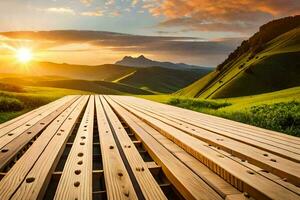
86,2
95,13
61,10
110,2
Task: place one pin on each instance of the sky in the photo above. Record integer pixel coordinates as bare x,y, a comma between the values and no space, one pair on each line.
201,32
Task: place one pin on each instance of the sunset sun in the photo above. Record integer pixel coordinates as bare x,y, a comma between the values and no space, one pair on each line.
24,55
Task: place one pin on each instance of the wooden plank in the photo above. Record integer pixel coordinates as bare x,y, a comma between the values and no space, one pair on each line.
226,122
278,147
46,163
146,181
22,140
5,139
273,163
184,180
212,179
8,126
76,179
17,175
12,122
219,128
257,185
263,172
117,180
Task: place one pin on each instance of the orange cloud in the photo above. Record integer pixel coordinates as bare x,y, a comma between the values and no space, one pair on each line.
92,42
221,15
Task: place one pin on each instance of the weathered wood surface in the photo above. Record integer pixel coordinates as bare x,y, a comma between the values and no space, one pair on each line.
119,147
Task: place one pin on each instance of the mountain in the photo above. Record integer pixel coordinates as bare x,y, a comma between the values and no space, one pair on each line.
142,62
266,62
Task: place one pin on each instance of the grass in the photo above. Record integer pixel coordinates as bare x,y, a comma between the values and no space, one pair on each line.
278,111
13,104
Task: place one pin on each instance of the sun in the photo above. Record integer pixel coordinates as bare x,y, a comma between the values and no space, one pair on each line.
24,55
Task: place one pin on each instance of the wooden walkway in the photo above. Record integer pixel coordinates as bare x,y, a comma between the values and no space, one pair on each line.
119,147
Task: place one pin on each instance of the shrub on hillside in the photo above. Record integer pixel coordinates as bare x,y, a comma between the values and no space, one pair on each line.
283,117
197,104
8,104
34,101
11,87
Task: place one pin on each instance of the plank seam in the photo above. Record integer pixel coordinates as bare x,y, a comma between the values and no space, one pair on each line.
136,186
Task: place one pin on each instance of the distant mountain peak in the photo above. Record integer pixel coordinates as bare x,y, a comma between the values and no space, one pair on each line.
142,57
142,61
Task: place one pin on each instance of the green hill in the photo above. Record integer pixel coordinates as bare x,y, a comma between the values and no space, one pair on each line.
111,79
163,80
100,87
107,72
268,61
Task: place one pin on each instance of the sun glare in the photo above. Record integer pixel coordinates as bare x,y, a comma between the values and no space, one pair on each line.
24,55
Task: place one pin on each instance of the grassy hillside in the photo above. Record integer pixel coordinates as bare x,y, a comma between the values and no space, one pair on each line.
279,111
100,87
163,80
153,79
106,72
268,61
14,102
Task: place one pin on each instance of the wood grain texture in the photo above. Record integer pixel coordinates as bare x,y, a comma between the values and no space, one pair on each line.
14,146
200,156
16,175
146,181
287,149
46,163
117,180
11,135
226,123
273,163
185,181
76,179
23,119
264,188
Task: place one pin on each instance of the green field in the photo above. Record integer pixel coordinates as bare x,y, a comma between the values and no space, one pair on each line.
13,104
279,111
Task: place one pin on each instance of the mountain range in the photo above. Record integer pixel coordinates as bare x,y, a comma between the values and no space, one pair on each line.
142,61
